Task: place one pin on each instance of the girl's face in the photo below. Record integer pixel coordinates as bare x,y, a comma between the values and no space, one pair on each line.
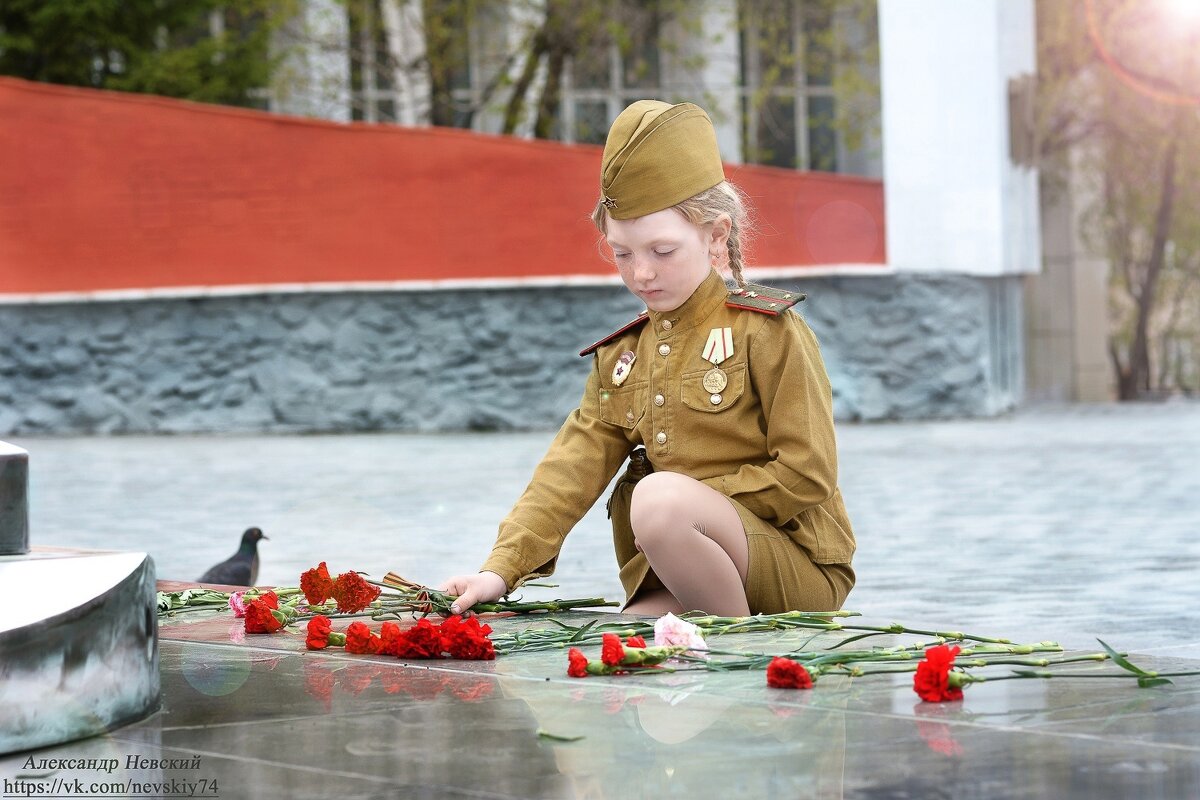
662,257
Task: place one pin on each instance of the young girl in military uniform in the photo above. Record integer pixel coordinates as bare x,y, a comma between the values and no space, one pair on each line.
718,399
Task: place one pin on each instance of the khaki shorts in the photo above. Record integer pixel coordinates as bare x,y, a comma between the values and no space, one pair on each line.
780,576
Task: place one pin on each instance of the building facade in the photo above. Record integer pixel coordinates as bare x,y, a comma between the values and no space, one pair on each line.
930,97
921,96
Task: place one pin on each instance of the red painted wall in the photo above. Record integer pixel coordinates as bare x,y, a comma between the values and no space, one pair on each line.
102,190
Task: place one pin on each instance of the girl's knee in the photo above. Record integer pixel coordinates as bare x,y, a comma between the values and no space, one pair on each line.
658,501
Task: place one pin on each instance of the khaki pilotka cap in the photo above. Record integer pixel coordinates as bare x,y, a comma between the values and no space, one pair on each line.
658,155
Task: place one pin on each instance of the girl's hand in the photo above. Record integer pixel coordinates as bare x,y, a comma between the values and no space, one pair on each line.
482,587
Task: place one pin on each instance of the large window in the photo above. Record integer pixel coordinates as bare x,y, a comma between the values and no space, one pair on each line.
609,75
372,68
788,107
801,74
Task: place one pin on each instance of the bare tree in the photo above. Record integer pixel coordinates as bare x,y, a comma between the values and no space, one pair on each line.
1114,79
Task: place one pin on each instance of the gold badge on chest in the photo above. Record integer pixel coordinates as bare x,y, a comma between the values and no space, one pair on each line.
624,366
715,380
718,348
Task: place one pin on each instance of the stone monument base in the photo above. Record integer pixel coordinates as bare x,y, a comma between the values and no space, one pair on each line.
78,634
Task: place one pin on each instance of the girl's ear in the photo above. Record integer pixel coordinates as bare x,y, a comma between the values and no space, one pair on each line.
719,233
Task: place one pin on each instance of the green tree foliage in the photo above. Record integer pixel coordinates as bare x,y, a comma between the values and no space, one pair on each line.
554,32
215,51
1119,90
559,41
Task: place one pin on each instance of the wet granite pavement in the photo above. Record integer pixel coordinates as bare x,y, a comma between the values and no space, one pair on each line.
259,717
1061,523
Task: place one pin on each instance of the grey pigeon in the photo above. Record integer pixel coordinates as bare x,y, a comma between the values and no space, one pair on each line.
240,569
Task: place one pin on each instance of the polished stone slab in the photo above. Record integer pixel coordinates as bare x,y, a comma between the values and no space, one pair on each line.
268,719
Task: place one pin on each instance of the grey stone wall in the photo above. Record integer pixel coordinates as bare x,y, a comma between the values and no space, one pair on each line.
896,347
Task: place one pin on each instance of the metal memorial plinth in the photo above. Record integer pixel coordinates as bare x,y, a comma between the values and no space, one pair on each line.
78,632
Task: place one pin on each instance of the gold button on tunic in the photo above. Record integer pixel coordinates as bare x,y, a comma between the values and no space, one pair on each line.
766,442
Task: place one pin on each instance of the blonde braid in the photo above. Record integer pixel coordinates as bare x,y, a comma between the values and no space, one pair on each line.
734,245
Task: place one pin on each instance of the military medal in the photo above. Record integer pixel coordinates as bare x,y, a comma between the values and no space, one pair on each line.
624,365
718,348
715,380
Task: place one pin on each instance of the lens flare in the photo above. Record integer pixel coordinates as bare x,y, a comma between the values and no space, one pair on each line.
1187,9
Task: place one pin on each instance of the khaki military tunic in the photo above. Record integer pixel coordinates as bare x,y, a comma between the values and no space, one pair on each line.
765,441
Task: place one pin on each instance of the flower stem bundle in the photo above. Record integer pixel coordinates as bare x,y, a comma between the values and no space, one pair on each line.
941,669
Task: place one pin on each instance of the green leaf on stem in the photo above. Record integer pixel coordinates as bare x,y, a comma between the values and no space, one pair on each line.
853,639
1123,662
579,634
554,737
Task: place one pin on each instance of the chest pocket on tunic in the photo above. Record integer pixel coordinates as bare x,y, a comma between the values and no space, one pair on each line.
623,406
697,397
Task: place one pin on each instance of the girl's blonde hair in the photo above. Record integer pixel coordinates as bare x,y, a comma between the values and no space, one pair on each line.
706,207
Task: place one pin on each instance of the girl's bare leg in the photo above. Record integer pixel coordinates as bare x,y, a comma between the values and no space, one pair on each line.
695,543
655,602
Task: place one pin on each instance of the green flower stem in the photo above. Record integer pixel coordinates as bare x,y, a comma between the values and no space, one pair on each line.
822,620
419,598
1048,674
856,671
952,636
553,605
1029,662
185,609
708,619
255,592
1012,649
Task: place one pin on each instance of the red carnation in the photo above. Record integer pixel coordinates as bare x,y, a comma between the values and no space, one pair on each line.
635,641
352,593
577,663
611,652
783,673
316,584
467,639
360,640
391,639
319,629
933,681
259,614
423,640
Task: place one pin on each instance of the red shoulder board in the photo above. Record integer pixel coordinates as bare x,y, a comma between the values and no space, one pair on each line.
762,299
641,318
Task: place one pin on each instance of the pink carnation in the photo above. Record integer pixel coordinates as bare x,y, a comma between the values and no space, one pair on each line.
238,604
671,631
